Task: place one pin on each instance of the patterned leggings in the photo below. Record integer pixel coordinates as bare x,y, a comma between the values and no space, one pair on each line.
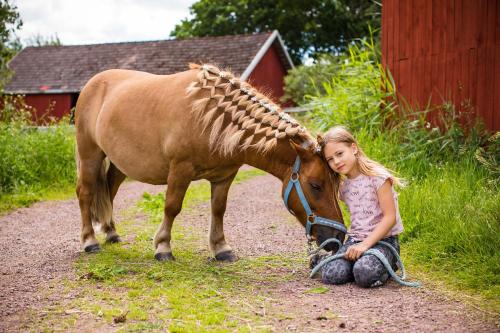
367,271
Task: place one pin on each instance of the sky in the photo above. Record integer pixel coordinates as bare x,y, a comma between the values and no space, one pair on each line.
100,21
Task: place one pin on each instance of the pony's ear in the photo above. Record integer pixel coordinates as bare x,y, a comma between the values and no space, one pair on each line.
304,153
321,141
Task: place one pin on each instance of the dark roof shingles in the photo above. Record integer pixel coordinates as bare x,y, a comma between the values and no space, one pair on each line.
68,68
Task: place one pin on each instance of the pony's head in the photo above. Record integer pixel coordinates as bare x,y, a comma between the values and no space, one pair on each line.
320,188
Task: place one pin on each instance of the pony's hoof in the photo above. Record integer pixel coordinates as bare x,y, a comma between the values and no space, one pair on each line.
92,248
164,256
114,239
227,256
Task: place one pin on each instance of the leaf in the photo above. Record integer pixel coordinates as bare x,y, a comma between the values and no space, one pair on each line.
317,290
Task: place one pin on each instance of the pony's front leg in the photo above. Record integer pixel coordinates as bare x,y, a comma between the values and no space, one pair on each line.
178,180
220,249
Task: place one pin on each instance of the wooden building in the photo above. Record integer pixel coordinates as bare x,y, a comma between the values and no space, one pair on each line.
51,77
445,51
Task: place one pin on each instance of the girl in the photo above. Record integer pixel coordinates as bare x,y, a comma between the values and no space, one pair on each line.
367,189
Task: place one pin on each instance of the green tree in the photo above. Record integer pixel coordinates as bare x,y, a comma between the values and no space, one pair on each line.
10,22
40,40
308,27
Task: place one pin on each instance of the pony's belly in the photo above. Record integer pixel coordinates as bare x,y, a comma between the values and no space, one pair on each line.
135,158
142,169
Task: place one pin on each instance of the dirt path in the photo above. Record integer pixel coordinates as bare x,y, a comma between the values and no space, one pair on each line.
39,245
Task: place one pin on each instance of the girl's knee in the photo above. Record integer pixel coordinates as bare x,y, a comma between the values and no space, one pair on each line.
337,272
369,272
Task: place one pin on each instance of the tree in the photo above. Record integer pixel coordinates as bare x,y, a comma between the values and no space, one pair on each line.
308,28
40,40
10,22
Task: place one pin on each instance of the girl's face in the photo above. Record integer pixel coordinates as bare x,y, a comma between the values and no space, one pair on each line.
341,157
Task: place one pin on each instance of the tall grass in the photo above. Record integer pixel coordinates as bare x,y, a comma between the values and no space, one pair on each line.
33,160
451,206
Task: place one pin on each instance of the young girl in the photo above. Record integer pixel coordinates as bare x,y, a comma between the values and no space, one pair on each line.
367,189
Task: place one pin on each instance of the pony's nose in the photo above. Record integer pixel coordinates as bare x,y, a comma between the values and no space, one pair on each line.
333,246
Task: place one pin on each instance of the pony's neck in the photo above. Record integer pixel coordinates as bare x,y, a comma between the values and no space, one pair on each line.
277,161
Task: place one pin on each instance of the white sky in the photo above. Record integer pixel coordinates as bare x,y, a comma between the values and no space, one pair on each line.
101,21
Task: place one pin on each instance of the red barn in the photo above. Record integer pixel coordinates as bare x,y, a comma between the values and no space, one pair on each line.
445,50
51,77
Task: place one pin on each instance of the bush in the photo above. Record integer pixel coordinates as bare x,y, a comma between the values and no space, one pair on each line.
33,159
305,80
353,96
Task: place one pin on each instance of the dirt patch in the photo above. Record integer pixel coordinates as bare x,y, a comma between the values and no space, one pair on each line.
38,246
257,223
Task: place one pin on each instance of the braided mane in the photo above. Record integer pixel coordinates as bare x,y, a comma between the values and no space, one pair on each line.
238,116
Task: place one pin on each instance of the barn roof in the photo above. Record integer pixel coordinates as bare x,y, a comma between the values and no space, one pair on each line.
62,69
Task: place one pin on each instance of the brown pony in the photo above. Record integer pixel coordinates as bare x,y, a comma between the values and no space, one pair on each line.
203,123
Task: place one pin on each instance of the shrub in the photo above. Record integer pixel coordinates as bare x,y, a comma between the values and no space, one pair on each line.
306,80
353,96
33,159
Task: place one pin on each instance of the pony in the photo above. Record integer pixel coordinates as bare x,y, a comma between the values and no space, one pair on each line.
203,123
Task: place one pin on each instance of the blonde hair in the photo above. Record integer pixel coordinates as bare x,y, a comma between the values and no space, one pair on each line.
366,165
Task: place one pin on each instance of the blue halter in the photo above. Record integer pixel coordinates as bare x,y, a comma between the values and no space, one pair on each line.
312,219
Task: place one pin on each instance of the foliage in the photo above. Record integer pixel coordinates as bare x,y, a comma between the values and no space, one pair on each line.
9,45
306,80
452,226
353,95
32,159
40,40
15,110
489,157
307,27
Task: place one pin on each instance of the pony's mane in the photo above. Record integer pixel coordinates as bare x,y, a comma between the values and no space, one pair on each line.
238,116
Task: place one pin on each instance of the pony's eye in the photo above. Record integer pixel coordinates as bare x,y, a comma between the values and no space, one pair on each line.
316,187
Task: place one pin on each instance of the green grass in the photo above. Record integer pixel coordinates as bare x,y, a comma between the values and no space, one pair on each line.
192,294
452,222
27,196
35,164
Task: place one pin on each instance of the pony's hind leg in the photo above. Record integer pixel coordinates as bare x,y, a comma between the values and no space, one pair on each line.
115,178
179,178
90,164
217,242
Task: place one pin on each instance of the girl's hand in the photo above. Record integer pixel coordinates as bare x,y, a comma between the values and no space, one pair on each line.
355,251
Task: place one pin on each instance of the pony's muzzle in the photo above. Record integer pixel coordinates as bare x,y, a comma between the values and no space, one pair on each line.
323,233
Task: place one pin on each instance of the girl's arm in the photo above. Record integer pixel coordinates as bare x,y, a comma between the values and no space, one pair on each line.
386,201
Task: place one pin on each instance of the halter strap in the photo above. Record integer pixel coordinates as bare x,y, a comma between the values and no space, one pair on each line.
312,219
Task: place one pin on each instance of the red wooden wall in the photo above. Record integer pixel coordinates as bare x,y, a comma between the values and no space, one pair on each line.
269,74
59,105
445,50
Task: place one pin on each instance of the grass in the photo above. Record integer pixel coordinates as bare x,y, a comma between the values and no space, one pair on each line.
192,294
29,195
35,164
452,222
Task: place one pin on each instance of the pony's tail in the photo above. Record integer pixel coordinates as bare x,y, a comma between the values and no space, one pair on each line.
101,209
